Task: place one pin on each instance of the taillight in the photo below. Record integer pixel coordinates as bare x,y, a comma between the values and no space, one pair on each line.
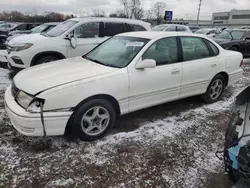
241,63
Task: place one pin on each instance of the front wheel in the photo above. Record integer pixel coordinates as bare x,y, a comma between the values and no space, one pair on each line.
93,120
215,89
46,59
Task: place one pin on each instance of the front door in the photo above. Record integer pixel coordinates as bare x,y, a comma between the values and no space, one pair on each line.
152,86
199,65
87,37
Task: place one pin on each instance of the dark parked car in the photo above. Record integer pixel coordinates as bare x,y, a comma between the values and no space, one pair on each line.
39,29
237,142
5,32
235,39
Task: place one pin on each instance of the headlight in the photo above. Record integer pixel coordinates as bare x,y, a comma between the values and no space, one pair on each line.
21,47
24,99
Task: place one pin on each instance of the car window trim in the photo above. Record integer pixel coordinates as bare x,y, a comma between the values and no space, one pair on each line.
193,59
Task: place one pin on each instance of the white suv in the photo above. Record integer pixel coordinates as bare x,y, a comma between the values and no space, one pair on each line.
71,38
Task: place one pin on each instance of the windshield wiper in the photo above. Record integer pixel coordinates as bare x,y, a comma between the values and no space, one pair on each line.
99,62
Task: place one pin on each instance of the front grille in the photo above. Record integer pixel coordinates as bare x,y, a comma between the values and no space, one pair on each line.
14,90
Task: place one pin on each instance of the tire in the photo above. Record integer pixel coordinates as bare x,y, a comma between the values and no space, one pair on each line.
93,120
208,97
46,59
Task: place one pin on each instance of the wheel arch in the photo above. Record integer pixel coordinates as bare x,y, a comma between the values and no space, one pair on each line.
226,77
46,53
107,97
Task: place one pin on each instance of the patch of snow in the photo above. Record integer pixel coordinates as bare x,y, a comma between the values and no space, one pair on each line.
60,182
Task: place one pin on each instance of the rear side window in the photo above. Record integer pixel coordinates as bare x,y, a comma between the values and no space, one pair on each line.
110,29
138,28
214,48
194,48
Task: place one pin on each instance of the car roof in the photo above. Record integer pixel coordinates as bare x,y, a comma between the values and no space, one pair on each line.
172,25
155,34
52,23
131,21
237,30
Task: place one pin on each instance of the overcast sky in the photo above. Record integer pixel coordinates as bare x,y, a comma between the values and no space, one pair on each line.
181,8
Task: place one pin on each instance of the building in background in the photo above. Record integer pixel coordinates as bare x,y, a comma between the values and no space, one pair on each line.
234,17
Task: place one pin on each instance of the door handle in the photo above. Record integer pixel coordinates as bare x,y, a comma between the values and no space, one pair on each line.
214,65
175,71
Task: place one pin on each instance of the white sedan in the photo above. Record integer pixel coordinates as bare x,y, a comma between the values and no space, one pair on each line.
128,72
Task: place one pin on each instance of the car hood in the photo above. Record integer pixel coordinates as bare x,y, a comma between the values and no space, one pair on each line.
27,39
43,77
222,41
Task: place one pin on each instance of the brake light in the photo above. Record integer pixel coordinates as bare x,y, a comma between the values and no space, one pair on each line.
241,63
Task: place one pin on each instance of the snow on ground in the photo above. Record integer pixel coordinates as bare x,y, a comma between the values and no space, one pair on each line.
172,145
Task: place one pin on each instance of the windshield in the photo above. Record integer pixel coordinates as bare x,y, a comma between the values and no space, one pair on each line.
61,28
118,51
224,35
39,29
159,28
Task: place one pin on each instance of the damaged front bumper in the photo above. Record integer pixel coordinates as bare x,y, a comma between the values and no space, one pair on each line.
237,141
30,124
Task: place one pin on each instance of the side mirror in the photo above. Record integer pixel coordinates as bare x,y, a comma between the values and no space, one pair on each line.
73,42
247,38
146,63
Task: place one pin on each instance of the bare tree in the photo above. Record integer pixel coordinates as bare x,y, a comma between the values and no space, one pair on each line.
125,3
136,9
98,13
118,14
158,9
133,8
149,14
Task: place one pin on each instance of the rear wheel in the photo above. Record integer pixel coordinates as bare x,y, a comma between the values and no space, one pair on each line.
93,120
215,89
46,59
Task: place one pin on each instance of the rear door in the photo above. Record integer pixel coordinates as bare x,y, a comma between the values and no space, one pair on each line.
200,65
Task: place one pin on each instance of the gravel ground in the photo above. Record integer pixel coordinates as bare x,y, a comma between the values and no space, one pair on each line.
171,145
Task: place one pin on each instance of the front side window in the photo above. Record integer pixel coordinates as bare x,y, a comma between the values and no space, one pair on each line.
237,35
163,51
87,30
118,51
61,28
194,48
